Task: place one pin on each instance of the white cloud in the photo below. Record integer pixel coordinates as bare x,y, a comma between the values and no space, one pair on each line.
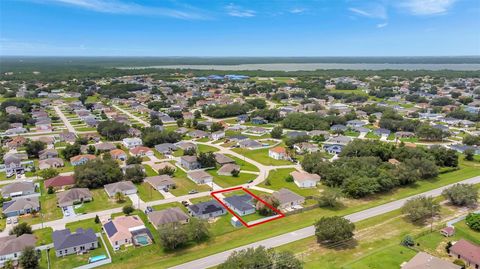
427,7
377,11
121,7
237,11
297,10
381,25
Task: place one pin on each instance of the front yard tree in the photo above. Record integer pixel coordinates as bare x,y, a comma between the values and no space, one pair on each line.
277,132
261,258
419,209
197,230
469,154
96,173
216,126
473,221
119,197
206,159
48,173
331,230
134,160
21,228
33,148
263,209
330,197
128,209
135,174
461,194
172,236
71,150
29,258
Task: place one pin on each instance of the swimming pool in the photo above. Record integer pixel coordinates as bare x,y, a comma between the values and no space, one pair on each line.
142,240
97,258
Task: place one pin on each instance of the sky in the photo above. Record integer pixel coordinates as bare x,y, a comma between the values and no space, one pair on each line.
240,28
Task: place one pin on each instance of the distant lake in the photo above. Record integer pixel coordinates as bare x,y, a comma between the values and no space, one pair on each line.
315,66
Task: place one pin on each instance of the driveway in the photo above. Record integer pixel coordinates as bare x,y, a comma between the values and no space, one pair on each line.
136,201
68,212
166,195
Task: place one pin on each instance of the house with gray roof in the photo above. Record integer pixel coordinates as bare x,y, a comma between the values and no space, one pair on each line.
200,177
21,206
11,246
125,187
250,144
241,204
162,182
66,243
74,196
206,210
166,216
288,198
165,148
18,189
190,162
222,159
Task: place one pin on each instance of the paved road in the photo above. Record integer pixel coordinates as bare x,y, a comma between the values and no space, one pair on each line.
132,116
216,259
62,116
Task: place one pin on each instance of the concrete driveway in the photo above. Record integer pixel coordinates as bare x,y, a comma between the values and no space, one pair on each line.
68,212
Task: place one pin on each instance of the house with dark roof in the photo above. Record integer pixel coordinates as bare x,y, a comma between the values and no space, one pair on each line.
60,182
11,246
241,204
222,159
74,196
167,216
18,189
66,243
206,210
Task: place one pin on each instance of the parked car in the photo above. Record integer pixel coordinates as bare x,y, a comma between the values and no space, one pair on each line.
185,203
9,221
149,209
192,192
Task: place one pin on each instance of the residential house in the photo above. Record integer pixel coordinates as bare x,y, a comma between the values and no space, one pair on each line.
190,162
50,163
227,169
218,135
124,187
207,210
288,199
305,147
127,230
11,247
304,179
466,251
184,145
162,182
250,144
166,148
338,128
278,153
132,142
60,182
424,260
355,123
81,159
222,159
141,151
241,204
67,137
21,206
74,196
198,134
47,154
200,177
448,231
167,216
319,133
118,154
258,120
66,243
16,142
17,189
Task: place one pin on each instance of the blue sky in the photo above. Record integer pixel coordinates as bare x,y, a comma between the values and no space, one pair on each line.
240,28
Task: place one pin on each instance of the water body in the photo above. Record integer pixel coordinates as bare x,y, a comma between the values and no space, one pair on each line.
316,66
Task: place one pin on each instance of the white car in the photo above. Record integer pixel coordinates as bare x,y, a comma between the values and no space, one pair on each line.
9,221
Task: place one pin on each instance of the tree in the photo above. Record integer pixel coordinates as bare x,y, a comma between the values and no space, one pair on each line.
97,219
197,230
277,132
197,114
261,257
21,228
265,210
172,236
48,173
216,126
91,149
29,259
167,171
206,159
190,151
235,172
113,130
50,190
419,209
134,160
97,173
128,209
180,122
461,194
151,137
330,197
330,230
119,197
408,241
8,264
71,150
135,174
473,221
469,154
33,148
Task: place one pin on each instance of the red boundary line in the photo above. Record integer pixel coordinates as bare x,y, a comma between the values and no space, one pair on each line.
279,213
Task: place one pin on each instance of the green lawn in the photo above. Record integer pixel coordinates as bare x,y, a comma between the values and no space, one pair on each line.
100,202
277,182
72,261
147,193
206,148
44,236
169,205
184,184
229,181
372,135
261,156
85,224
244,165
149,171
48,209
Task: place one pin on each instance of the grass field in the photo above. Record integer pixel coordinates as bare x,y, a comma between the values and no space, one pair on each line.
244,165
229,181
261,156
147,193
277,182
72,261
100,202
206,148
184,185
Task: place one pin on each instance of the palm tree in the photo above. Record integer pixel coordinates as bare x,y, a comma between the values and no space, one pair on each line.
119,197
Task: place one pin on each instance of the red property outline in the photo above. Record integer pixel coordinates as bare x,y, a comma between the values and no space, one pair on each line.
279,214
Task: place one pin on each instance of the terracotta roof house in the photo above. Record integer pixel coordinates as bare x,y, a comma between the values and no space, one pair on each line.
21,206
141,151
467,251
66,243
278,153
207,210
127,230
118,154
304,179
18,189
200,177
50,163
74,196
227,169
162,182
81,159
288,198
424,260
59,182
11,246
16,142
448,231
125,187
166,216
